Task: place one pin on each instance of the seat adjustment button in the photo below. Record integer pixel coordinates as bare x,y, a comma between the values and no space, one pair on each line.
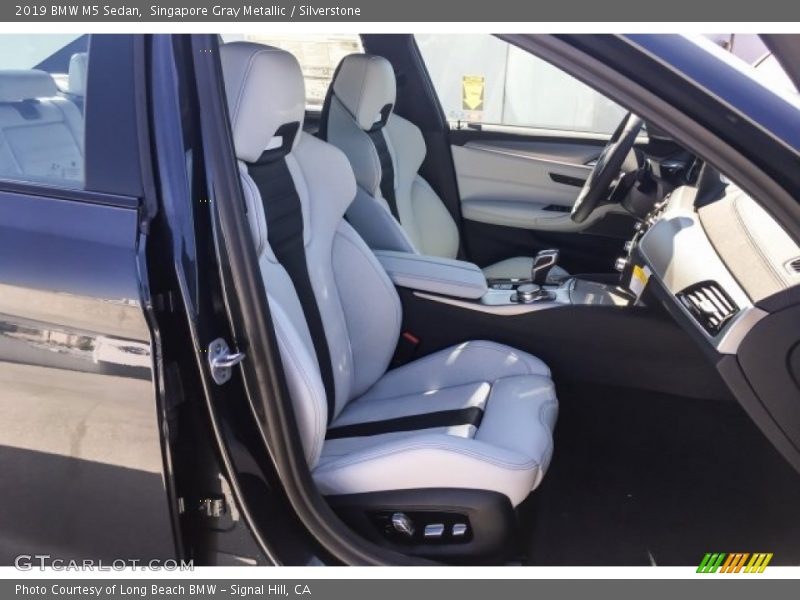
459,530
402,524
434,531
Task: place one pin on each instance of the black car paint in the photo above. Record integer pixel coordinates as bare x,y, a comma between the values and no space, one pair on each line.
81,451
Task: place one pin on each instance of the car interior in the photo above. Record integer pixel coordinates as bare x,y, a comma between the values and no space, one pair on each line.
41,126
430,352
501,346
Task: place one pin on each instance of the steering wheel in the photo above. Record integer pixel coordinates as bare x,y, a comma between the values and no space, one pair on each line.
607,167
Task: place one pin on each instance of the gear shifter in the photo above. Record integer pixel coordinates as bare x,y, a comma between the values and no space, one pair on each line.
542,264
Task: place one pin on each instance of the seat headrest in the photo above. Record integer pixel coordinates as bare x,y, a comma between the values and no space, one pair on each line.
17,85
76,80
266,92
366,86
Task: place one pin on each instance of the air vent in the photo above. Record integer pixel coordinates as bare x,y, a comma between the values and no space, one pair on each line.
709,304
794,266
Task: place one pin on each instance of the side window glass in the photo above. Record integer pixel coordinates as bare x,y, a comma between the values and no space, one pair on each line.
318,55
482,79
42,93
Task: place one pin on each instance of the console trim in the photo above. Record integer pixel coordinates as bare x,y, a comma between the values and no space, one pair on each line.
498,302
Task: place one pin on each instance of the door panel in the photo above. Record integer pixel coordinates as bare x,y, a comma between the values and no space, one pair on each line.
520,173
80,444
523,135
516,194
525,184
84,472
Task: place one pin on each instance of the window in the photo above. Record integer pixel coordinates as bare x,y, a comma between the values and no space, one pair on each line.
318,55
42,88
750,49
482,79
773,75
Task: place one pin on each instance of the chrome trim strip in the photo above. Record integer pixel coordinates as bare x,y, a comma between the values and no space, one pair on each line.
483,147
503,310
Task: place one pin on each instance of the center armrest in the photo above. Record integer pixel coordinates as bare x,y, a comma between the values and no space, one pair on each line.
433,274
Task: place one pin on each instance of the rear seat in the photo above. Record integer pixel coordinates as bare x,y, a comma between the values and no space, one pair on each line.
76,81
41,132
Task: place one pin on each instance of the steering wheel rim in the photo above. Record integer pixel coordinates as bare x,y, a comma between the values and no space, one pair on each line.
606,168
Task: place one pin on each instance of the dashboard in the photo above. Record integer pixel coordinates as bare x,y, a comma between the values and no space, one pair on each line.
730,275
722,261
679,254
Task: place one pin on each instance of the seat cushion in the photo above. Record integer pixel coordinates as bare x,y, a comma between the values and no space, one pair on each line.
508,451
519,267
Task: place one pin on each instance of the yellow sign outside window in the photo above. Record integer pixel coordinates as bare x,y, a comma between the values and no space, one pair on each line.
472,92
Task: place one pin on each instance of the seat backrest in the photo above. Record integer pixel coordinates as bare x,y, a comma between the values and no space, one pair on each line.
322,282
41,133
386,152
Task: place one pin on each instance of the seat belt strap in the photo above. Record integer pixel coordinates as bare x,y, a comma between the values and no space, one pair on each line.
443,418
385,159
387,171
284,216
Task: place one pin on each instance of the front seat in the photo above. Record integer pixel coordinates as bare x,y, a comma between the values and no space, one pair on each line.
462,434
395,208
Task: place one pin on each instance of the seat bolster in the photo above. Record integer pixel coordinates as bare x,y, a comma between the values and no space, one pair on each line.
437,232
345,134
465,363
430,461
304,383
370,307
520,416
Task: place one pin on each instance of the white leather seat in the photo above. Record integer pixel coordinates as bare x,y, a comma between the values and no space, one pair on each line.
479,415
41,133
508,452
395,208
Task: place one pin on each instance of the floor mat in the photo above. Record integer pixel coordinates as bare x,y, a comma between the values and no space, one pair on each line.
644,478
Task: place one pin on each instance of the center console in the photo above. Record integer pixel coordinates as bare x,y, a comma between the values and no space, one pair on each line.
462,284
583,327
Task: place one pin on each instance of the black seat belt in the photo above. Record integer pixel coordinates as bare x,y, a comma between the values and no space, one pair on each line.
442,418
385,159
284,216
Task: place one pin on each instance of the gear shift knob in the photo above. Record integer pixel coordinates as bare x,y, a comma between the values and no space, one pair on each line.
542,263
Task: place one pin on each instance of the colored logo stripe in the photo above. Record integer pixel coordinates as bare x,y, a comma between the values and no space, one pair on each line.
734,562
711,562
758,563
